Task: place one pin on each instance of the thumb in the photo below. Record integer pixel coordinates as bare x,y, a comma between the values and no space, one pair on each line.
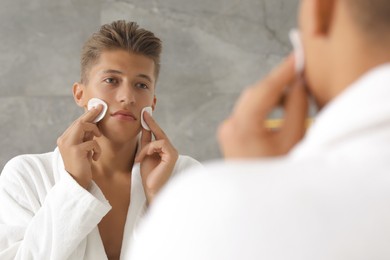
296,110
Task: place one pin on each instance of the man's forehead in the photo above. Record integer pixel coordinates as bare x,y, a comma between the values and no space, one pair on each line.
123,63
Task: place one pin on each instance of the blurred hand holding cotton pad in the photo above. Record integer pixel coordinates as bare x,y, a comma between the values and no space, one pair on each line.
94,102
143,123
295,38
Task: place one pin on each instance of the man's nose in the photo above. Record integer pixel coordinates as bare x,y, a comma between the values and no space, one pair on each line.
126,94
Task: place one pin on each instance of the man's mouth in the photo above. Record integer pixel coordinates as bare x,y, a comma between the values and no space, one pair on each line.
124,115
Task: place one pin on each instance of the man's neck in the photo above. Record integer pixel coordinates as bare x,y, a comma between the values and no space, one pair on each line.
353,53
115,158
353,62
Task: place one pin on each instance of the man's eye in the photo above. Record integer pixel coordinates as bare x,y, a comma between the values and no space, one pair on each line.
141,85
110,81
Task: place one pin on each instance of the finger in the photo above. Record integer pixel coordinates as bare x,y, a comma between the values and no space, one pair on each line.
257,102
141,155
68,130
88,136
90,146
225,136
296,109
79,132
84,132
146,150
86,117
97,151
154,127
90,127
146,137
91,114
159,147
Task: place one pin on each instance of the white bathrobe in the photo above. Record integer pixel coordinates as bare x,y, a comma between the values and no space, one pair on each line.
328,199
46,214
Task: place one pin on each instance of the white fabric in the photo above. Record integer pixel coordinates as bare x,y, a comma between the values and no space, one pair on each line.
45,214
328,199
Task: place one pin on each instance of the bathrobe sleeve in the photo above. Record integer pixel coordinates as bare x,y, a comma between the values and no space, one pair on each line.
44,215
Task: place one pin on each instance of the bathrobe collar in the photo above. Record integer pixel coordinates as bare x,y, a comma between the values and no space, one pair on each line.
363,105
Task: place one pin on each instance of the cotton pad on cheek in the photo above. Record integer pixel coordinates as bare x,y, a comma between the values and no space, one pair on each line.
295,38
143,123
94,102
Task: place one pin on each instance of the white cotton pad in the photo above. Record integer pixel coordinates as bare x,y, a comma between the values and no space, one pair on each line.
295,38
94,102
143,123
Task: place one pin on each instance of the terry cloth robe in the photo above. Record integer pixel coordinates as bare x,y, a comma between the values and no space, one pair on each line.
46,214
328,199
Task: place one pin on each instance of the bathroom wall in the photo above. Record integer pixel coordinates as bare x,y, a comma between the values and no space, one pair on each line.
212,51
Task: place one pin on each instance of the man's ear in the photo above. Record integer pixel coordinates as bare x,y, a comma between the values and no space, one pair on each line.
78,94
154,102
325,10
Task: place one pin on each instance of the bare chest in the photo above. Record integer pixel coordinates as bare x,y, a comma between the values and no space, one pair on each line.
111,227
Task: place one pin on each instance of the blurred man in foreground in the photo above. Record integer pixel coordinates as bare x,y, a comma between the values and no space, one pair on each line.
286,194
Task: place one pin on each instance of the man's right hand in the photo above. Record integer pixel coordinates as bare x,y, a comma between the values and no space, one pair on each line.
78,147
244,135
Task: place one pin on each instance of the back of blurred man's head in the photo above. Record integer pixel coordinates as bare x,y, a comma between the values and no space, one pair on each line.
343,39
372,16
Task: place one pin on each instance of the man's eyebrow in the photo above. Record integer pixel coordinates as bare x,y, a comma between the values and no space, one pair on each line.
112,71
145,77
148,78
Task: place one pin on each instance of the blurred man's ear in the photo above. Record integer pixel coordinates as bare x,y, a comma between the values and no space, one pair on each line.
78,94
324,15
154,102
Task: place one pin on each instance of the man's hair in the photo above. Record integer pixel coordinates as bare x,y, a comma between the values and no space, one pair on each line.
120,35
373,16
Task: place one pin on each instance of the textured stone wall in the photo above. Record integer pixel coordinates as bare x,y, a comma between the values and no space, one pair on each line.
212,50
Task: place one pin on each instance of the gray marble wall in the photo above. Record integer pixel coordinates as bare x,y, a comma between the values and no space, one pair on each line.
212,50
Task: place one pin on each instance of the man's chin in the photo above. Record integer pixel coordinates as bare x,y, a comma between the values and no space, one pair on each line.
120,135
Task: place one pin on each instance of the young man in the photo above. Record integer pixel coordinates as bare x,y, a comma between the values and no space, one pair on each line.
83,200
329,197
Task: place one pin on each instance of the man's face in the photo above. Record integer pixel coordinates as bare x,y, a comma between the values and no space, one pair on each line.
126,82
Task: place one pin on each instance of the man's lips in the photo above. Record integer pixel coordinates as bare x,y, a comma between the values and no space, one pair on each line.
124,115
